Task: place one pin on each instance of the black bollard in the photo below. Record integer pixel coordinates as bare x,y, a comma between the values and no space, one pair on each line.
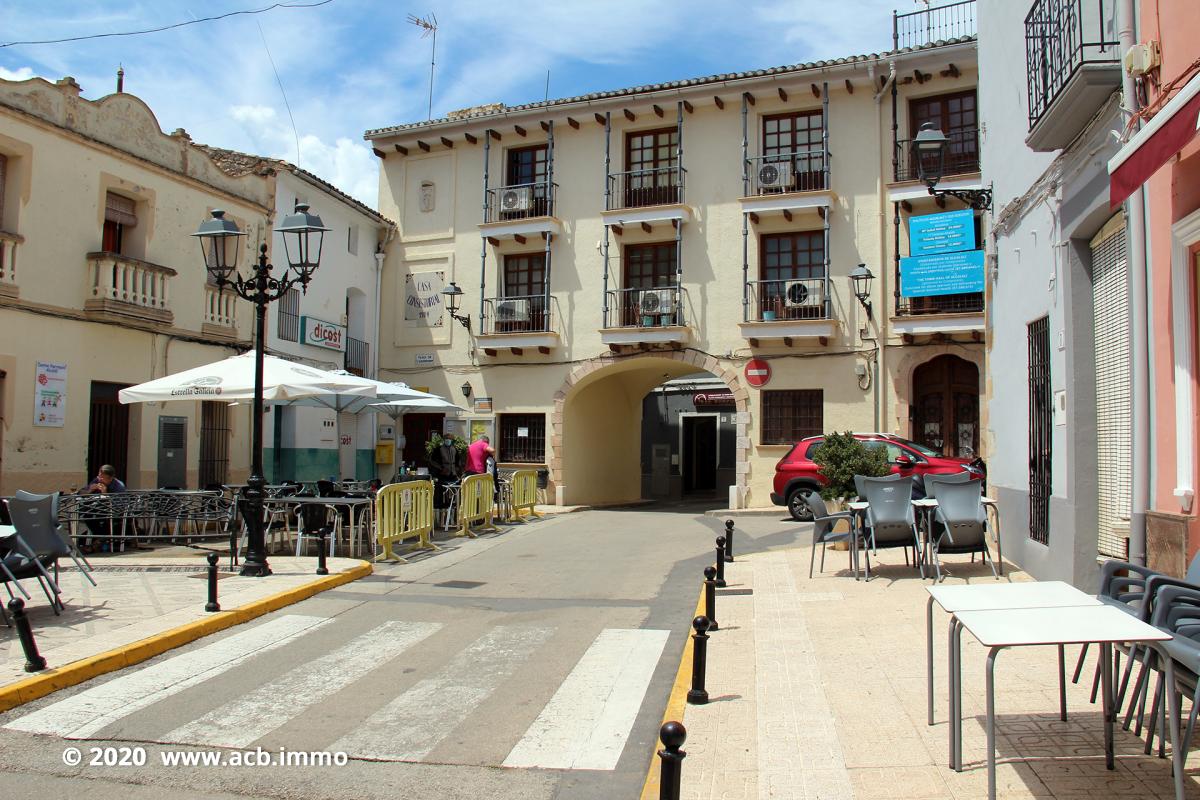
729,540
672,735
321,568
710,597
721,561
698,696
33,660
212,604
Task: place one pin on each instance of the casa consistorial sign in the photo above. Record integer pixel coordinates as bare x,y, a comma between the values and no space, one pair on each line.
423,299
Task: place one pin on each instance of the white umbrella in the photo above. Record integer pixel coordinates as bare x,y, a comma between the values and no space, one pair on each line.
233,379
355,402
432,403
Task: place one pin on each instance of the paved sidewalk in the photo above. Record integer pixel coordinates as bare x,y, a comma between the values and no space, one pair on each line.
143,595
817,690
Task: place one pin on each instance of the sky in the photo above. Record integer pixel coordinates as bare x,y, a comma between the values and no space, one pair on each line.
350,65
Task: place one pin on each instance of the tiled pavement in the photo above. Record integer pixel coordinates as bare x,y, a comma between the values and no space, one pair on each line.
817,690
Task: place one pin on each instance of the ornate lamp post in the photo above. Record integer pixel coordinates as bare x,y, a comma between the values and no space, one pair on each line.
303,234
860,279
929,150
453,297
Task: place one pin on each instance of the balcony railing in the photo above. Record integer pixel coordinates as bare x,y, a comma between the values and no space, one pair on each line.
962,155
949,21
799,171
123,284
358,356
646,187
220,307
1060,37
523,314
521,201
644,308
8,259
785,300
969,303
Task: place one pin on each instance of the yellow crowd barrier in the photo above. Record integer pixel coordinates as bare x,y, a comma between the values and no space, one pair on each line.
524,494
404,511
476,503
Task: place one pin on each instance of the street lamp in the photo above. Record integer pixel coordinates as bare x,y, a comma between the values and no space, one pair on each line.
453,295
466,390
860,279
303,234
929,151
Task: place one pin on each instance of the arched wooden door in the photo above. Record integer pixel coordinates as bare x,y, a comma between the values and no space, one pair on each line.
945,406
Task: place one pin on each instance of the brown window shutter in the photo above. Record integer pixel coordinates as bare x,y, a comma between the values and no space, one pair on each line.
120,210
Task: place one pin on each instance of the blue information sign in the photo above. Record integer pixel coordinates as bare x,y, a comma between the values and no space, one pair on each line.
941,273
941,233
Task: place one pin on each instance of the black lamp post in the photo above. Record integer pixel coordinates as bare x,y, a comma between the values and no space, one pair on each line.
453,296
929,151
303,234
860,279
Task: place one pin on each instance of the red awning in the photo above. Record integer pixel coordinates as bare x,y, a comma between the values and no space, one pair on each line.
1156,143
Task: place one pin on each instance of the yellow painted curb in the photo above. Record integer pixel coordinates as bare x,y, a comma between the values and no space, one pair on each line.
51,680
676,703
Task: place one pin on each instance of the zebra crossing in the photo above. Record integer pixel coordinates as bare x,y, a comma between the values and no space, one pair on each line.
584,720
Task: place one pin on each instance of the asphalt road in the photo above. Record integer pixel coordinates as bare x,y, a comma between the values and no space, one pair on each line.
531,664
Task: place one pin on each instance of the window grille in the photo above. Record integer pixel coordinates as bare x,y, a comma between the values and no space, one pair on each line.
792,414
289,316
214,444
1041,428
529,448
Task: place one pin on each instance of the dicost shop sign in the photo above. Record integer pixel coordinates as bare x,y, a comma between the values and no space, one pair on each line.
320,333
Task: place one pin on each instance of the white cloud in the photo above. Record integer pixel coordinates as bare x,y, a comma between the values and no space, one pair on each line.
21,74
259,115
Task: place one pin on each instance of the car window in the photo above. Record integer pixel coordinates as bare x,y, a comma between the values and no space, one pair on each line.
922,449
812,448
894,451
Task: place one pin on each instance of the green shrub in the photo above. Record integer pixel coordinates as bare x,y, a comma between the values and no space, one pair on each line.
841,457
435,441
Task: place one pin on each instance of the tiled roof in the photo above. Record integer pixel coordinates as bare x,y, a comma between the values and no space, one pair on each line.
493,111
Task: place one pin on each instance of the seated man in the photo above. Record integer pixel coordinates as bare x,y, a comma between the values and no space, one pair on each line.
105,482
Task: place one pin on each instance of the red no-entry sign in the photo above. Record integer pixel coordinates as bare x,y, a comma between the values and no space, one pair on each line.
758,372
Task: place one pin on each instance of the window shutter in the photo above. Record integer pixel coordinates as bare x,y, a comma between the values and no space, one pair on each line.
120,210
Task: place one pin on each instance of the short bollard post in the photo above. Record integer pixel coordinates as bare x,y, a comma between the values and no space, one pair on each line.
33,660
697,696
212,604
729,540
321,568
710,597
721,561
672,735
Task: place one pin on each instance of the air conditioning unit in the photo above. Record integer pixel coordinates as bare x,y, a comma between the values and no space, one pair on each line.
518,198
657,301
803,294
775,175
512,310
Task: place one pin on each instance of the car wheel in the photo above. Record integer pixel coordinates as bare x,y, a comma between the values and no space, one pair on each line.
798,506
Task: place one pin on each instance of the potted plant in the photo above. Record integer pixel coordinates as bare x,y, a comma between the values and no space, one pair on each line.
435,441
840,457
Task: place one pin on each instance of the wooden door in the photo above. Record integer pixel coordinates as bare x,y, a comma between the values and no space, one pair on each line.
946,406
417,429
108,431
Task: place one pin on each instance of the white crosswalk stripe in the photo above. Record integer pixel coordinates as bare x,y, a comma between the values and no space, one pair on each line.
410,726
586,723
240,722
89,711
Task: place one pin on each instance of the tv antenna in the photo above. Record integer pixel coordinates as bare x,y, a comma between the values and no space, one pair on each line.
429,25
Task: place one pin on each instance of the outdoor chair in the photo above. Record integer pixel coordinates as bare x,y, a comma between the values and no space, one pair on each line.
35,517
19,561
1177,611
823,529
276,513
315,518
860,490
890,521
960,524
932,481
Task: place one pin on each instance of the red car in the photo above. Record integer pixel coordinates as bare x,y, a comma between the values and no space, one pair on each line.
796,473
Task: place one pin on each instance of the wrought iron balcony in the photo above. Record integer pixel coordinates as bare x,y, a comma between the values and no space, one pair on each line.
522,314
969,303
1072,65
520,201
949,21
358,356
659,307
799,171
787,300
645,187
962,156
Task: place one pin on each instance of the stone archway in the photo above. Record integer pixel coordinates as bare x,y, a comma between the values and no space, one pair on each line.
593,425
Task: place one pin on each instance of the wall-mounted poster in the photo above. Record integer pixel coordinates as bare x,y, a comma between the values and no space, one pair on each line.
423,299
50,395
481,427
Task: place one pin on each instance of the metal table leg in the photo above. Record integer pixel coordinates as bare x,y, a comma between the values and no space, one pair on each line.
958,715
1062,683
991,721
1106,669
952,680
929,656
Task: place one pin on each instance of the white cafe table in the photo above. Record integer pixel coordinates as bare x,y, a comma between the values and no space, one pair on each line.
989,597
1100,623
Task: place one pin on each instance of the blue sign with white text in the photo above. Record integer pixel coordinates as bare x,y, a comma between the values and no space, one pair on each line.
941,273
941,233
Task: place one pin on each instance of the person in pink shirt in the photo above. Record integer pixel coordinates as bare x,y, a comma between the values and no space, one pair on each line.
477,455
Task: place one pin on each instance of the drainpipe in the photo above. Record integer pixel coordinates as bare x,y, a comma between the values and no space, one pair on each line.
880,356
745,215
1138,317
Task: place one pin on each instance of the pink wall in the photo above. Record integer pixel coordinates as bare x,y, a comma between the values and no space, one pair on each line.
1173,193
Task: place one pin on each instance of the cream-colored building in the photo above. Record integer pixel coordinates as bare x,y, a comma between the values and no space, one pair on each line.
102,286
607,243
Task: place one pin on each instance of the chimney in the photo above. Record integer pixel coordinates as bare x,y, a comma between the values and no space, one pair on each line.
120,78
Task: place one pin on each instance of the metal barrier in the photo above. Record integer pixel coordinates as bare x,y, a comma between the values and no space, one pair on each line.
404,511
524,494
476,498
